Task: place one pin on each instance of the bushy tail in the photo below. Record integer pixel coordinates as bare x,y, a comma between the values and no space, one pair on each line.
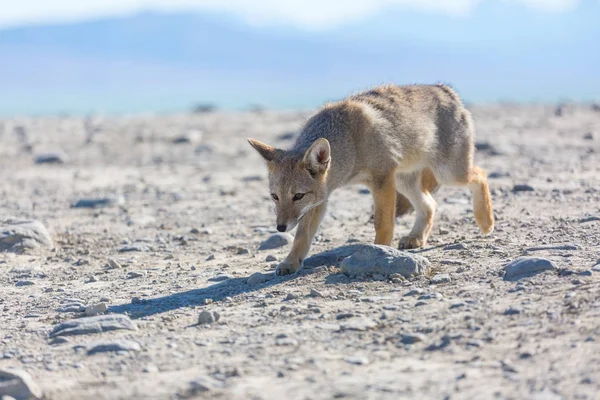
428,183
482,201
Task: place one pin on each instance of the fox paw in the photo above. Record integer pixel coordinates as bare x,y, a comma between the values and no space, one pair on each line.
409,242
287,267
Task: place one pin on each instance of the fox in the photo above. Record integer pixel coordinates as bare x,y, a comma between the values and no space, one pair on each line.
400,141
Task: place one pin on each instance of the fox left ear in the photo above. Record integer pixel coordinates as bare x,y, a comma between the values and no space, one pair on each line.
317,158
267,152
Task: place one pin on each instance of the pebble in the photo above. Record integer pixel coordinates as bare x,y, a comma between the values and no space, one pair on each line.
456,246
112,264
431,296
97,324
291,296
315,293
24,283
150,369
189,137
383,260
596,268
357,360
586,273
458,305
412,338
414,292
440,278
136,274
259,278
208,317
18,384
522,188
72,307
96,309
105,347
276,241
98,202
54,157
220,278
202,385
139,247
344,315
358,324
18,235
92,279
512,311
60,340
271,258
286,341
524,267
420,303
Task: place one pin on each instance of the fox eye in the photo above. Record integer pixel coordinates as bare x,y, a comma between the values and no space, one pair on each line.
274,196
298,196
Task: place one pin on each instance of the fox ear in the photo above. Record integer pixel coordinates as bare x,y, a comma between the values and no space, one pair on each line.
317,158
267,152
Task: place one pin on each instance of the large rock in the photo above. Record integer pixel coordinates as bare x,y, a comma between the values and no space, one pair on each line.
101,323
370,259
19,385
524,267
21,235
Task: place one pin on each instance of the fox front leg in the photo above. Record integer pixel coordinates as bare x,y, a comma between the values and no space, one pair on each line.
307,228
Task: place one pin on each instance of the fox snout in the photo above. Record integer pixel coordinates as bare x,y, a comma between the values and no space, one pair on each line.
281,228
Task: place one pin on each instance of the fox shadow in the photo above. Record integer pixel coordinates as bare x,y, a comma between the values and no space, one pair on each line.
230,287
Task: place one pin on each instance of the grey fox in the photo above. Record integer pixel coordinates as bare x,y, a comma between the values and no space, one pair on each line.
400,141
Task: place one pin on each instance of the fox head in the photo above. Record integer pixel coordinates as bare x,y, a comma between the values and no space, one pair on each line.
297,180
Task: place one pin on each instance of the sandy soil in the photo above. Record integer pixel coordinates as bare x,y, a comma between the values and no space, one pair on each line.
190,207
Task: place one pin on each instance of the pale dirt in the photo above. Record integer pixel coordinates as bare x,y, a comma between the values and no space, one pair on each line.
218,187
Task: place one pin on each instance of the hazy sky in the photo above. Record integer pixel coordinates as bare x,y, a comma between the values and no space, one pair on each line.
304,13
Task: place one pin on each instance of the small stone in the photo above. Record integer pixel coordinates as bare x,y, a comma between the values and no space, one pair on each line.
112,264
188,137
271,258
150,369
420,303
440,278
220,278
524,267
344,316
596,268
100,202
357,360
87,325
96,309
24,283
18,384
456,246
208,317
242,251
286,341
315,293
276,240
259,278
522,188
118,345
291,296
414,292
136,300
210,257
586,273
458,305
55,157
588,136
60,340
135,247
202,385
431,296
71,307
359,324
412,338
136,274
92,279
512,311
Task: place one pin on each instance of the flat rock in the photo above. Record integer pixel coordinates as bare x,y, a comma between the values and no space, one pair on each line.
107,347
412,338
524,267
138,246
258,278
358,324
440,278
96,309
21,235
383,260
98,202
276,240
97,324
522,188
53,157
19,385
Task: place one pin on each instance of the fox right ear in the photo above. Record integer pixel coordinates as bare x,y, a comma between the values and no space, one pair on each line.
266,151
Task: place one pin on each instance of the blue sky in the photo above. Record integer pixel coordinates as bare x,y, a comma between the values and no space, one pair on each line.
104,55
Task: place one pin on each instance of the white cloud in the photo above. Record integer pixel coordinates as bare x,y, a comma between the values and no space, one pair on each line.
305,13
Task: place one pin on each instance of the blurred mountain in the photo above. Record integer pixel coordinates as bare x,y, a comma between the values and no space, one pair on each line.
161,62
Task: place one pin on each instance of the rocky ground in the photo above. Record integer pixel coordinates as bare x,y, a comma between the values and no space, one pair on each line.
148,281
